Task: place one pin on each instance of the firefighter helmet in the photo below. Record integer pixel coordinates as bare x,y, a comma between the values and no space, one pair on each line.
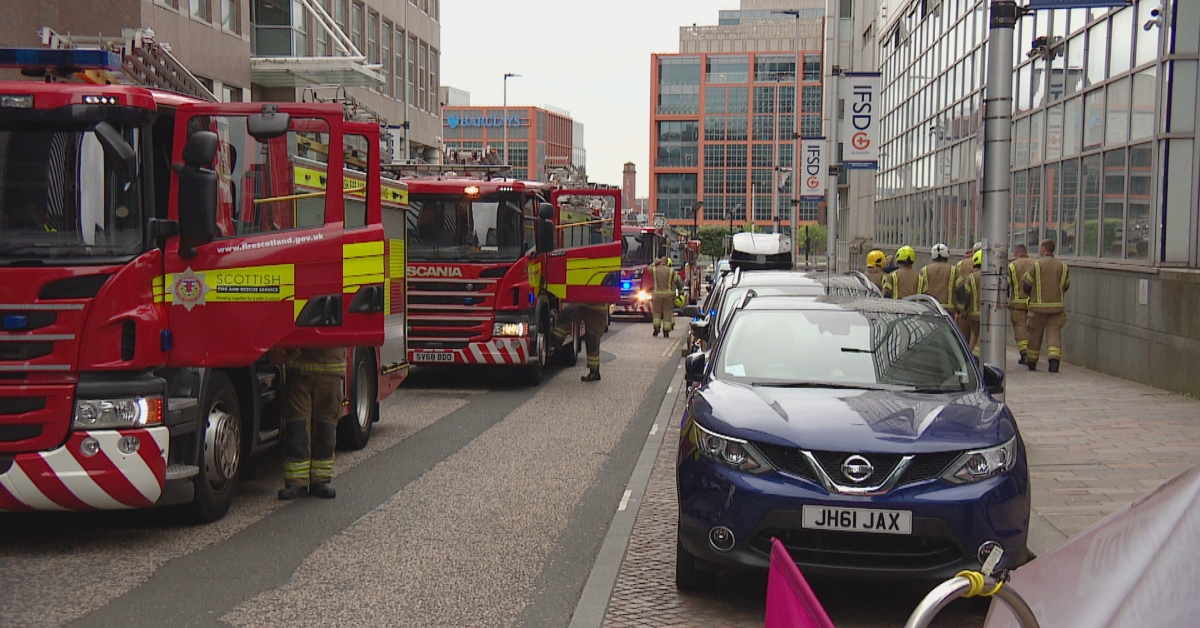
875,259
977,260
906,254
680,300
940,251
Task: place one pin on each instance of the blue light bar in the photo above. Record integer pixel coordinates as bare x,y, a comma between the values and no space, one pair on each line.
33,58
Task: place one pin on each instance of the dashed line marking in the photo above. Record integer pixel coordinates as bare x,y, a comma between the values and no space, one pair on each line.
624,500
669,389
654,428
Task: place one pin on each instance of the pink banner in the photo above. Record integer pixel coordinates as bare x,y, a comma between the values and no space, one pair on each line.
790,602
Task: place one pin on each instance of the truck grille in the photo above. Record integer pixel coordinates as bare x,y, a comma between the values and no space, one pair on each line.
448,314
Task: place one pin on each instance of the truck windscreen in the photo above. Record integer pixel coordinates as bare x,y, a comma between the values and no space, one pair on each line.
638,249
485,228
63,197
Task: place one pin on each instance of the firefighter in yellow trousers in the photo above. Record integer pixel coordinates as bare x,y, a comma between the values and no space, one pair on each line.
1018,300
966,294
313,394
1046,283
662,304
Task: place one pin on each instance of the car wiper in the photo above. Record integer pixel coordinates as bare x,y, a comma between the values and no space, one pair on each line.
25,247
822,385
933,390
856,350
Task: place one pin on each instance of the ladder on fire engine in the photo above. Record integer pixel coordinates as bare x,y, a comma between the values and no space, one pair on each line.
145,61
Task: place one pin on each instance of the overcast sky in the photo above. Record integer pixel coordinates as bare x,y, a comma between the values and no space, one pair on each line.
590,57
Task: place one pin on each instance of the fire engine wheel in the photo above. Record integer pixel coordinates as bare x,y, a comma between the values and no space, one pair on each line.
354,430
534,372
221,450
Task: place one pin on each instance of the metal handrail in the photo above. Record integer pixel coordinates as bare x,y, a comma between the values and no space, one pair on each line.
957,587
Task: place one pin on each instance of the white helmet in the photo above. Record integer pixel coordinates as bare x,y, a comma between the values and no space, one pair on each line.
940,251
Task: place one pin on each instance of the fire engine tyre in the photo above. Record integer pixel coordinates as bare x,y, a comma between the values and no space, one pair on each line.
568,354
354,430
534,372
220,450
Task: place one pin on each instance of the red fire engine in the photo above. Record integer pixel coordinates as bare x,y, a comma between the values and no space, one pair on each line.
639,247
153,248
492,261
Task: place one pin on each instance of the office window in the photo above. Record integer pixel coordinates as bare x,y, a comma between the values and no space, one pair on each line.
174,4
736,157
810,98
714,100
714,128
1111,242
808,212
812,67
774,68
199,9
433,80
356,25
810,126
412,72
714,156
764,99
736,128
230,18
761,155
398,40
728,69
764,127
1141,195
714,181
385,57
372,38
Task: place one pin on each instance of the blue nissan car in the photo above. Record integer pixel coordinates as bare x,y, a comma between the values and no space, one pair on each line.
859,432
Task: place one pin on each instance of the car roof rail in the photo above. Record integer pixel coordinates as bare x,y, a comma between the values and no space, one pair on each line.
928,300
737,276
860,276
750,294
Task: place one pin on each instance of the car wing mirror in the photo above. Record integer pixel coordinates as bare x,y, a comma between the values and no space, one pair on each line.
993,379
700,329
694,365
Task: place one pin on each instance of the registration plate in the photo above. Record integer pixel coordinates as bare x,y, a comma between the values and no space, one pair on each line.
857,520
433,356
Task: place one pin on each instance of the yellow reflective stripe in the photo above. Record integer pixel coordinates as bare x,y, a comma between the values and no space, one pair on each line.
391,192
296,469
362,249
593,262
1063,281
396,268
589,277
363,265
316,367
299,305
557,289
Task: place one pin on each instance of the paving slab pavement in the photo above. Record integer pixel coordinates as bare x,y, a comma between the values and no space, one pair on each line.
1095,443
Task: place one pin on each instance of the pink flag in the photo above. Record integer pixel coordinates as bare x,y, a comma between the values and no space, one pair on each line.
790,603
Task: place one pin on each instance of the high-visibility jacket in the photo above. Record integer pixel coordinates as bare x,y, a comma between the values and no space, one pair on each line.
875,274
1016,271
901,282
665,279
1047,283
936,280
318,361
967,293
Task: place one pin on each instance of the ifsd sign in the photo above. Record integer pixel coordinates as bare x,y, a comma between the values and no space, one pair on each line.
860,131
812,169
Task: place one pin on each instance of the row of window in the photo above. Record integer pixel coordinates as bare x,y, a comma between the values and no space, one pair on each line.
685,70
226,12
732,208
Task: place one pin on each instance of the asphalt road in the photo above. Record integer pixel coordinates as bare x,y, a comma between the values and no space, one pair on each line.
477,502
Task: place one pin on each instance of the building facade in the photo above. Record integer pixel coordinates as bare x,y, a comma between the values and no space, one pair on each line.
725,113
1103,163
540,140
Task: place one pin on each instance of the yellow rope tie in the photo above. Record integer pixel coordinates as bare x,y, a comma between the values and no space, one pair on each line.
977,583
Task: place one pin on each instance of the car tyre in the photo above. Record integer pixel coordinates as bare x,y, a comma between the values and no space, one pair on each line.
354,429
687,576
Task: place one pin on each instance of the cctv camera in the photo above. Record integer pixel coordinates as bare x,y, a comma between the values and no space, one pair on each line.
1155,12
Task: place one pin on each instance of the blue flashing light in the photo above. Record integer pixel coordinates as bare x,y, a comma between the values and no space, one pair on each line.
625,285
46,58
166,340
15,321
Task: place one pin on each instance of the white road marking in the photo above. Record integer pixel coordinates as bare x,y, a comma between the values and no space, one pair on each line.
669,388
624,501
654,429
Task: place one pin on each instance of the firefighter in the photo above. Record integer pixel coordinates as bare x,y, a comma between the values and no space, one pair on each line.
1019,310
937,278
594,317
875,267
313,394
901,282
664,282
1046,284
966,294
962,270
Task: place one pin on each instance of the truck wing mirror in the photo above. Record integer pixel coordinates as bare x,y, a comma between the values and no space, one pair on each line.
269,124
545,229
197,200
114,145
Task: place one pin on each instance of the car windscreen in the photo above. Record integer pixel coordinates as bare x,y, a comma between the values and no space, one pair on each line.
844,348
733,295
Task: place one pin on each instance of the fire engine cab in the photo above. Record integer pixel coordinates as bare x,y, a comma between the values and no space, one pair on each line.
153,248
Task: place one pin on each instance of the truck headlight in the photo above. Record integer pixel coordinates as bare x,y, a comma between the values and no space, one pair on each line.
981,464
642,295
117,413
510,329
732,452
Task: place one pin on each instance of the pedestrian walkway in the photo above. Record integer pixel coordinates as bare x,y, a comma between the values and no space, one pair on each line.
1095,443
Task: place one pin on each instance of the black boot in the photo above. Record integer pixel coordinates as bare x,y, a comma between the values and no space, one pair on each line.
1053,365
1023,359
655,331
592,376
1032,364
295,491
322,490
666,333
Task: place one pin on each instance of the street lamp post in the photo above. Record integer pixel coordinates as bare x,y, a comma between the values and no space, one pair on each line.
507,75
795,213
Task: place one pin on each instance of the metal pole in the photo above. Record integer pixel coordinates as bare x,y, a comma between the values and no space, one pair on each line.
832,98
954,588
996,180
796,148
506,119
407,94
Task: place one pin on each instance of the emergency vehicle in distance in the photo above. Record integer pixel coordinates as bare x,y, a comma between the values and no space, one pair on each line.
641,246
153,248
492,261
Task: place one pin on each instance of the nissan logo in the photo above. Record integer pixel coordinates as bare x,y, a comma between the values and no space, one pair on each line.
857,469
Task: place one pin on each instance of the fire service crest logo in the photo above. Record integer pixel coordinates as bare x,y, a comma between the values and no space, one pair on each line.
189,289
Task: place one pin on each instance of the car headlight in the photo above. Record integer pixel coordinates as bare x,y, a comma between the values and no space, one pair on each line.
642,295
981,464
510,329
117,413
732,452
